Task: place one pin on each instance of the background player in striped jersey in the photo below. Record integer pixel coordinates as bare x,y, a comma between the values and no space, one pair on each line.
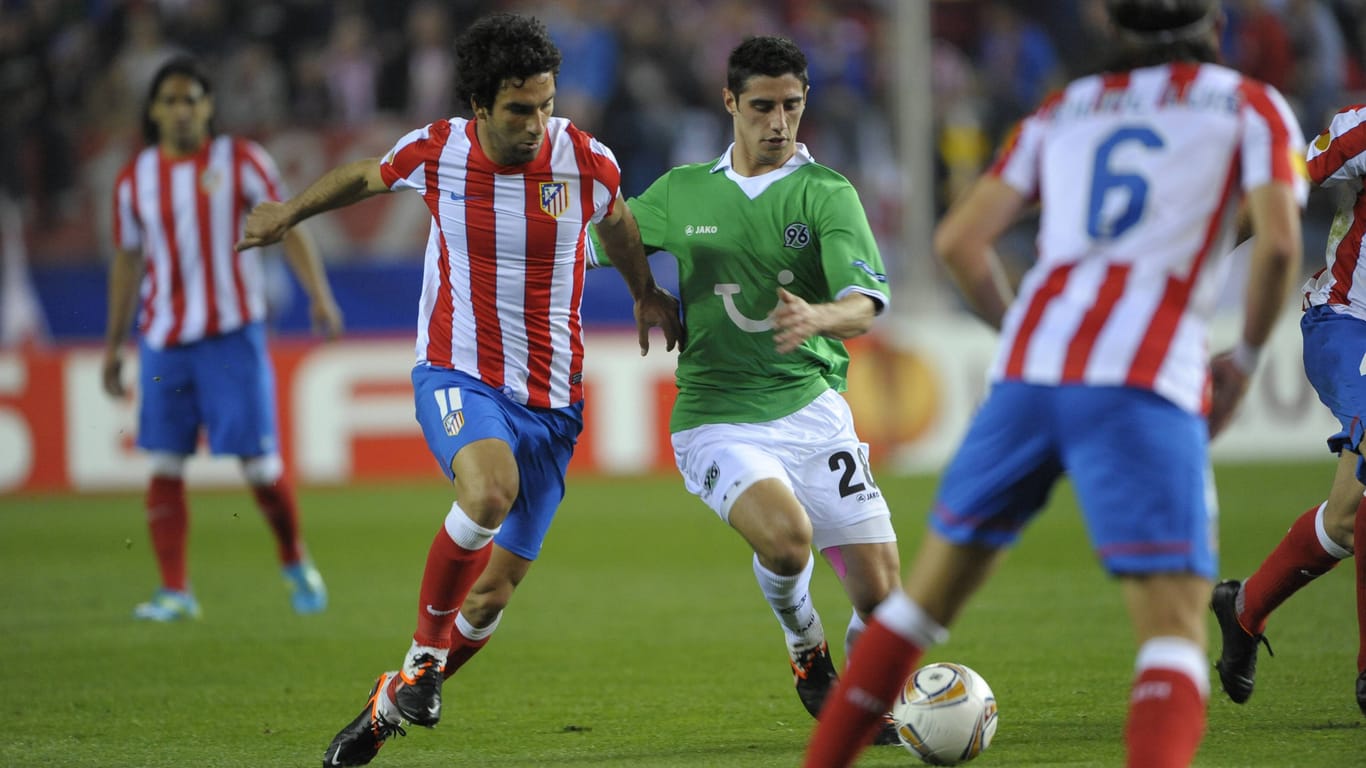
1334,331
1102,370
777,265
178,209
498,382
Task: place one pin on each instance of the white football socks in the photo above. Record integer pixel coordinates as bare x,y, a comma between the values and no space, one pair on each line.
790,599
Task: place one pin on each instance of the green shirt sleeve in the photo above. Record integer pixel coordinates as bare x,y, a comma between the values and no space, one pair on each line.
651,212
648,209
849,254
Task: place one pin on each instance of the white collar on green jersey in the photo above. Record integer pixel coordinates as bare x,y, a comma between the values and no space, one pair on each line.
753,186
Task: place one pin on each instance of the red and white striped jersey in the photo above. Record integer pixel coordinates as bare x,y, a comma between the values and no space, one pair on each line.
503,276
1139,175
1338,158
185,215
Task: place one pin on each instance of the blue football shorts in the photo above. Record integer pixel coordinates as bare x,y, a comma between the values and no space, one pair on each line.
222,383
1334,356
456,409
1138,464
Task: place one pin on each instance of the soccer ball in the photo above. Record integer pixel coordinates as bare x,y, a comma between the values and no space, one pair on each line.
946,714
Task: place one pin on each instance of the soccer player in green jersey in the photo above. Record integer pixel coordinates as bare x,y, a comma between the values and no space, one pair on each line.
777,266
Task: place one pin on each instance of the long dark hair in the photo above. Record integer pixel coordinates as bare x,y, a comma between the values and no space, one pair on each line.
180,65
1152,32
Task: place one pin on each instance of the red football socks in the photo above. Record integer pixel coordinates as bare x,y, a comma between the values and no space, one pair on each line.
277,503
878,669
1166,720
1297,560
462,649
168,523
450,572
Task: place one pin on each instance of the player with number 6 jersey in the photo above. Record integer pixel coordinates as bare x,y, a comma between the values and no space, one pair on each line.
1102,373
1163,186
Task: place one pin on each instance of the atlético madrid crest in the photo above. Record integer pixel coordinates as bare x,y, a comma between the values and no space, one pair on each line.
554,197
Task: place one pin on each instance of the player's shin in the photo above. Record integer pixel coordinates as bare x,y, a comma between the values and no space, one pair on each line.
885,656
1167,704
1303,555
168,526
467,640
450,572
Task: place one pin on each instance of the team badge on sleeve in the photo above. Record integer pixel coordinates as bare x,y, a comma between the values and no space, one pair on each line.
554,197
1298,162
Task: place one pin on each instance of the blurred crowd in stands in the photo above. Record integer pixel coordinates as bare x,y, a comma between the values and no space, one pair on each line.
644,76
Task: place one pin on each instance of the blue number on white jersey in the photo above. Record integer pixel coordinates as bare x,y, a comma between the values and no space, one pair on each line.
1111,189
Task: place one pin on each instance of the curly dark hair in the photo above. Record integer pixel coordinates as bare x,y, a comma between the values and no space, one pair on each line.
764,55
180,65
498,48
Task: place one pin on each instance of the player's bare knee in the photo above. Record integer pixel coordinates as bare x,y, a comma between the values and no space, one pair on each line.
786,553
488,504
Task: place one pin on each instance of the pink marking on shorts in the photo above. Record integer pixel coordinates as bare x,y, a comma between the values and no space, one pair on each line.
835,557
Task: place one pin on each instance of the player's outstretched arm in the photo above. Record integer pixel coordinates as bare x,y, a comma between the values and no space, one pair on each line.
655,307
964,242
339,187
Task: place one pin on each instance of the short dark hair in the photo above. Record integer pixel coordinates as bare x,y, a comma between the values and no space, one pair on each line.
501,47
764,55
180,65
1155,32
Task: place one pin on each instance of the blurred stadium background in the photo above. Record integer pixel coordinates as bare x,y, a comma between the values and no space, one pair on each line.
908,99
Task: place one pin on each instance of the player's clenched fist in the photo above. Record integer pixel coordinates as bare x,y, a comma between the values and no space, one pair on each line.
267,223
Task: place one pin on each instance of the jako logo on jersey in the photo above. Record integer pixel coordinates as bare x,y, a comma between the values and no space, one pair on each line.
796,235
699,229
554,197
448,402
863,265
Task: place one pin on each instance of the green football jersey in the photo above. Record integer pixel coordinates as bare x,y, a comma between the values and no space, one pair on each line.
737,240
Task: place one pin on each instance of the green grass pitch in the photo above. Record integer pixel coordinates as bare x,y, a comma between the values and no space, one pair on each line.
639,640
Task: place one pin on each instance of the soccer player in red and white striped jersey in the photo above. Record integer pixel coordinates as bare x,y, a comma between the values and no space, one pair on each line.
1334,332
498,382
179,207
1102,373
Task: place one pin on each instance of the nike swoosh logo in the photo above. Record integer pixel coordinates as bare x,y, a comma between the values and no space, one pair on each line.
457,197
433,611
335,760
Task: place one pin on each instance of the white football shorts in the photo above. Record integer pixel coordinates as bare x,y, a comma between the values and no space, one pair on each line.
815,452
